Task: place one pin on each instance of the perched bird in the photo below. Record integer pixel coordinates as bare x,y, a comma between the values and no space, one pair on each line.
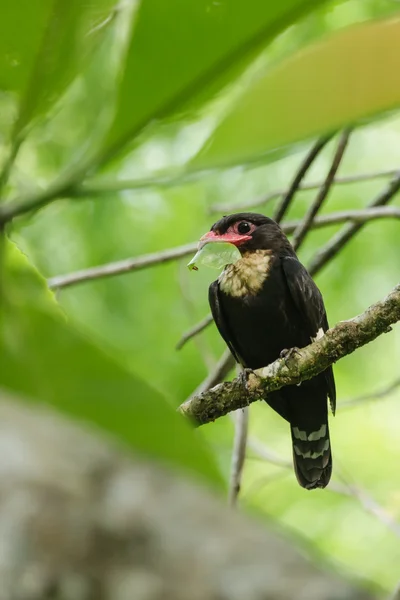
263,305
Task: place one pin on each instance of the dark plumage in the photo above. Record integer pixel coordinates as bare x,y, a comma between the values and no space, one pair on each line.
266,303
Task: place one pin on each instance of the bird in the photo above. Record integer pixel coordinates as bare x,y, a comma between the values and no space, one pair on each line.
265,306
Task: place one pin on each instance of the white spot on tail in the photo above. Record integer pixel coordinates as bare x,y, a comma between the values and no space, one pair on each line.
314,436
310,454
317,435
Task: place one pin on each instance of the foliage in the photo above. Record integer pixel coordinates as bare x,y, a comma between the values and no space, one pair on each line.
113,107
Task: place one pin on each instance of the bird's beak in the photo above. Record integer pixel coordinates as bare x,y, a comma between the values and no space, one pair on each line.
230,238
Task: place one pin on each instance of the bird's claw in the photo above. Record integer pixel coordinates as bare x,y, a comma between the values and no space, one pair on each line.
288,353
244,377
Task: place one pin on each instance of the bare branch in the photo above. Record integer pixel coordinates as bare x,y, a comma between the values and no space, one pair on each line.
238,454
383,393
195,330
345,489
122,266
61,188
305,165
303,187
263,452
369,505
349,231
337,342
354,216
223,367
304,227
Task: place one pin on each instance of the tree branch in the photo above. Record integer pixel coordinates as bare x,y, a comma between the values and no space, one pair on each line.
328,251
378,395
223,367
193,331
306,224
303,187
299,176
354,216
121,266
337,342
241,419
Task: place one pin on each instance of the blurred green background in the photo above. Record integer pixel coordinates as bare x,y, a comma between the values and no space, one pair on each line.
133,96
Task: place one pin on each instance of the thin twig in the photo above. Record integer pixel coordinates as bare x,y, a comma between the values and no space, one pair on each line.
383,393
345,488
193,331
368,503
121,266
354,216
337,342
303,187
304,227
301,172
241,418
338,241
223,367
263,452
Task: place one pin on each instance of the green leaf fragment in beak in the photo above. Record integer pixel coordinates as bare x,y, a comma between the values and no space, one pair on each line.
215,255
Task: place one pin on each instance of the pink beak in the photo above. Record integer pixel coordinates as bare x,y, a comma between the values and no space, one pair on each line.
231,238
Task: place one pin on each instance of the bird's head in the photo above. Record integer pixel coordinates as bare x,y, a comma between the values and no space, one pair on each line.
247,231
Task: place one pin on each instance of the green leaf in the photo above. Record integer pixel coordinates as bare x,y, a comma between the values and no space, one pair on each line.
43,44
22,25
47,359
215,255
180,48
348,77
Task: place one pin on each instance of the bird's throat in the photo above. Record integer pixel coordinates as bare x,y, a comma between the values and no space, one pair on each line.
247,276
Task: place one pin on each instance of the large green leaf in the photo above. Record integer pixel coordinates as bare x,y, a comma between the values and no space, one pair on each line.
350,76
179,48
45,358
42,46
22,25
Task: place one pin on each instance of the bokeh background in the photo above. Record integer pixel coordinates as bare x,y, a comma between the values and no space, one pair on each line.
107,352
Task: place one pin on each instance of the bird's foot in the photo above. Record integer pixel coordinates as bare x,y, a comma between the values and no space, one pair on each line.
244,377
288,353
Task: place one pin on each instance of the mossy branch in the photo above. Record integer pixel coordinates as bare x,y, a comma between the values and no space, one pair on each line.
337,342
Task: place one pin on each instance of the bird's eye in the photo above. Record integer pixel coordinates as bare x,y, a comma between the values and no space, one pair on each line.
244,227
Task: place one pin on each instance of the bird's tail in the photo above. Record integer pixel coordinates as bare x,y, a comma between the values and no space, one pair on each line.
312,455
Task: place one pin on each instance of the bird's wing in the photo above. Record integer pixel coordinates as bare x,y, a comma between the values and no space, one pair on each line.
310,304
220,321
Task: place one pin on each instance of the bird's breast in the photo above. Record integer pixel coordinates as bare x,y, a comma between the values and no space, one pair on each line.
246,276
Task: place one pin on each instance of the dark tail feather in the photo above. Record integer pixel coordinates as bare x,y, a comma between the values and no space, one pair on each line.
308,409
312,456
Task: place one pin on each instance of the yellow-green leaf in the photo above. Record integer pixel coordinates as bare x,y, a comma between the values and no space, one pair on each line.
350,76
